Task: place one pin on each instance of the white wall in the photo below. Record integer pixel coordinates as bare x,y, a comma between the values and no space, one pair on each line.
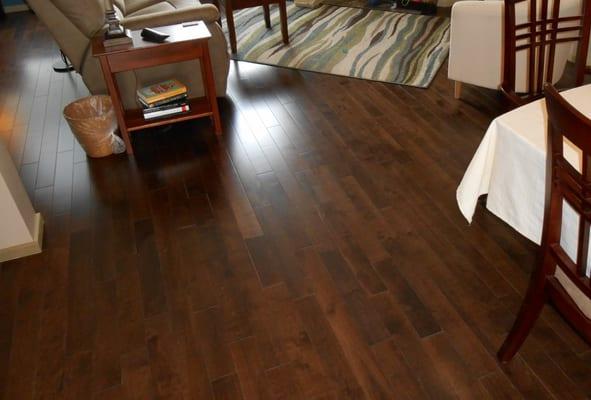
20,226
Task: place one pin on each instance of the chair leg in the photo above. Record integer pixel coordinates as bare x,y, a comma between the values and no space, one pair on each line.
267,15
528,314
231,28
283,17
457,89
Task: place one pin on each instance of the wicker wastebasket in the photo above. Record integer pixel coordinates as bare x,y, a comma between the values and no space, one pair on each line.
92,120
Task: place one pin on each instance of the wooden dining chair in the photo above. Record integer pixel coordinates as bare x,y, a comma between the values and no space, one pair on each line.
232,5
539,37
558,278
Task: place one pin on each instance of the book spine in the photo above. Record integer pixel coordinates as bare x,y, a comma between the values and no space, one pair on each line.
162,102
161,97
143,103
164,108
167,112
177,98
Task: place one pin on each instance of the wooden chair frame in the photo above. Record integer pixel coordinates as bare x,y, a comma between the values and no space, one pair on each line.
231,5
539,37
563,182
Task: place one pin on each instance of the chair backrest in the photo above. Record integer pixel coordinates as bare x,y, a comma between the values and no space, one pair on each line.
538,38
565,182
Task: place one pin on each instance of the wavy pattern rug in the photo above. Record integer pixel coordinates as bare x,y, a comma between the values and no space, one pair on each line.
384,46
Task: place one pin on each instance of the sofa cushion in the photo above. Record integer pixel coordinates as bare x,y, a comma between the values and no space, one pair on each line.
184,3
120,4
141,7
162,6
87,15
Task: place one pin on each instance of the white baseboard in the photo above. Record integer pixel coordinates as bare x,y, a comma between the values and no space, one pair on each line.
26,249
16,8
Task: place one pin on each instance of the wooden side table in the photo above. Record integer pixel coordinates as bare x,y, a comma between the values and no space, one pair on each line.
232,5
186,42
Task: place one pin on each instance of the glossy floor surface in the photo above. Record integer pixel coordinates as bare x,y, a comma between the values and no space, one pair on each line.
315,251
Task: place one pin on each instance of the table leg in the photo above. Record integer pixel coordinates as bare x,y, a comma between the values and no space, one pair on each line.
117,104
283,17
267,14
209,83
231,27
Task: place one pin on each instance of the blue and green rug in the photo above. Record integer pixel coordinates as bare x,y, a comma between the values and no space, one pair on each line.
406,49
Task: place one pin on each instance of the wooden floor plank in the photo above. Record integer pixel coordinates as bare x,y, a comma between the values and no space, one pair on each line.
313,251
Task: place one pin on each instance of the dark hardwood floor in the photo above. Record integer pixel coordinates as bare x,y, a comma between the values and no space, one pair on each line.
314,252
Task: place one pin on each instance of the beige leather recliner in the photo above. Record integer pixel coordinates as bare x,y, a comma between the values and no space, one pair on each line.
73,23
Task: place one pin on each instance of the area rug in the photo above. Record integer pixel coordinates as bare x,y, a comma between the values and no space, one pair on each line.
428,7
406,49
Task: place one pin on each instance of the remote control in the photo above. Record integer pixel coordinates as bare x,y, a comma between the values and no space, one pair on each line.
152,35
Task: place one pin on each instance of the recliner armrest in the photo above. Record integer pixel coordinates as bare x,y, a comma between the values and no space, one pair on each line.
204,12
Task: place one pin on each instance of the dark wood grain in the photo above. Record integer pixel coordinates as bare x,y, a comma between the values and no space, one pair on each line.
314,251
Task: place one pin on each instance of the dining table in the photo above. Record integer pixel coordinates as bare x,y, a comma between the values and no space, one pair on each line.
509,166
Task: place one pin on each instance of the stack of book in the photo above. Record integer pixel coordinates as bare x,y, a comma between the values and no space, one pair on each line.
163,99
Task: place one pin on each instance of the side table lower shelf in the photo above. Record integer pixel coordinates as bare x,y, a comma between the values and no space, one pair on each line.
198,108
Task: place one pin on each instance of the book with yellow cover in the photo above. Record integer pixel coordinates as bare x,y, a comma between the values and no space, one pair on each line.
161,91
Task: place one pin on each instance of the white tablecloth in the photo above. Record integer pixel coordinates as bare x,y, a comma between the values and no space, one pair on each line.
509,165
